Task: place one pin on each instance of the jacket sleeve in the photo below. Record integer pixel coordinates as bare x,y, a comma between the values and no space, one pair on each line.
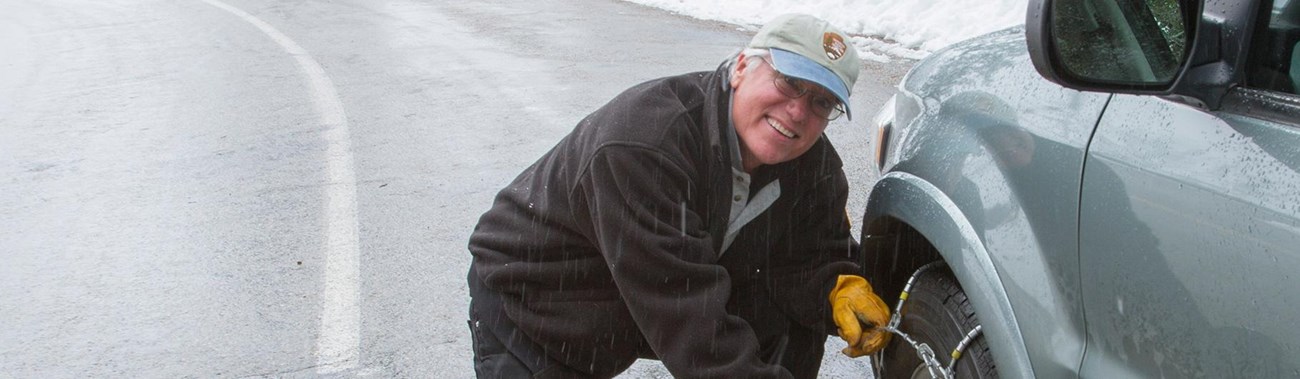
817,249
663,263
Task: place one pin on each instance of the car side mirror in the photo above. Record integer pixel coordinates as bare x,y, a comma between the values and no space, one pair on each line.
1155,47
1112,45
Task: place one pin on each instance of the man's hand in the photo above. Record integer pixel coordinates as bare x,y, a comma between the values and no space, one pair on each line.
852,301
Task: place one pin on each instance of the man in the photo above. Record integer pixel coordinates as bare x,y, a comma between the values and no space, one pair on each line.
696,219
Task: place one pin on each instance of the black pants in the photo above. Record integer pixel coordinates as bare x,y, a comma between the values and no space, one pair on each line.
502,351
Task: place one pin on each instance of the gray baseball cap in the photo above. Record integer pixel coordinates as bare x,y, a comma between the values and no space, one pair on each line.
811,49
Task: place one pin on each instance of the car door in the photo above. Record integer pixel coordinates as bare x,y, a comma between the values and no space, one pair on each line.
1190,228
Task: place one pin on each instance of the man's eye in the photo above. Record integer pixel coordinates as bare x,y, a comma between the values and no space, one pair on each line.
795,84
824,103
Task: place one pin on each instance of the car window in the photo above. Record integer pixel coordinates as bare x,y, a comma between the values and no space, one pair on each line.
1275,56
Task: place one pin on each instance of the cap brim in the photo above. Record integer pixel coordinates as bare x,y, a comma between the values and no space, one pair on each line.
792,64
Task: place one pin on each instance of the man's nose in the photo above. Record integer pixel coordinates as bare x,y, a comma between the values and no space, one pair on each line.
799,108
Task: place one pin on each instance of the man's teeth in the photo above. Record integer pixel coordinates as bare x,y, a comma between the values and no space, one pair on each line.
781,129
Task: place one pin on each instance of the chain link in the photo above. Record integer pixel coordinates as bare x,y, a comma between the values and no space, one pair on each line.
925,353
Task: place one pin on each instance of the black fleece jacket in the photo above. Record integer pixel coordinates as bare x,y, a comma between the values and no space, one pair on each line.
607,248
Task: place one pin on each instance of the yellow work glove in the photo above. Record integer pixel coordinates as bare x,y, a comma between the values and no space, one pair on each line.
852,301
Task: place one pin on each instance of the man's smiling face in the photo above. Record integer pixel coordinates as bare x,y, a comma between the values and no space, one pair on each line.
773,127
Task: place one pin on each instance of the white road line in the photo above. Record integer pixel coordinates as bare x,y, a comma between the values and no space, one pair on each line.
340,321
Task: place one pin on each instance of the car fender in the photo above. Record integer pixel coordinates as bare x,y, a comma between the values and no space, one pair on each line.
912,200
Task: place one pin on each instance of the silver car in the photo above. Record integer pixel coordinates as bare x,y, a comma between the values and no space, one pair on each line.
1111,191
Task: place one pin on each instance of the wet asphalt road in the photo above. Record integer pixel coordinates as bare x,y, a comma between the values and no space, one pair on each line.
202,188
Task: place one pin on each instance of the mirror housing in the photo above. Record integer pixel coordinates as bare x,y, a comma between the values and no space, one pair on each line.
1212,62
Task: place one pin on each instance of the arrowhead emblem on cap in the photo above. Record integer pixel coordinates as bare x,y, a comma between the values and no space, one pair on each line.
834,45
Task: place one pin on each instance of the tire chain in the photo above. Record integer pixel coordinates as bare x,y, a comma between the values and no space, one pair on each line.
923,351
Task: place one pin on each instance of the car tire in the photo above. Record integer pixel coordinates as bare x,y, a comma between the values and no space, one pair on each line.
937,313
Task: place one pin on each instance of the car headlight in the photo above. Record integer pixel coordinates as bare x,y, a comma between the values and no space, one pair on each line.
883,122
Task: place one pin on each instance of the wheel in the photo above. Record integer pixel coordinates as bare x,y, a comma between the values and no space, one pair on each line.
937,313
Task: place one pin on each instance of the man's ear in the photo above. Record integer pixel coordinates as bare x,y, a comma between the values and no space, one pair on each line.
738,70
